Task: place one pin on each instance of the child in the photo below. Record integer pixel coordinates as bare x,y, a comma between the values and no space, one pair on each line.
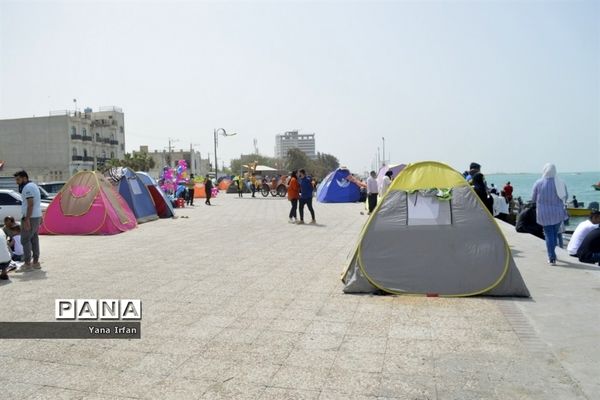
4,257
15,244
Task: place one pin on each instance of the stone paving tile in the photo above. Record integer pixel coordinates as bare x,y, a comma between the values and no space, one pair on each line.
256,323
273,393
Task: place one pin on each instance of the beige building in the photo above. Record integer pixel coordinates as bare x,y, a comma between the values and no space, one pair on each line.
56,146
294,140
196,164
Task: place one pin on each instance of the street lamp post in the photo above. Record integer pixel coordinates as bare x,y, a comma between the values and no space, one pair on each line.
383,140
216,133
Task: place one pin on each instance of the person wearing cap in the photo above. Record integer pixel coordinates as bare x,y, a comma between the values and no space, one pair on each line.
582,230
474,168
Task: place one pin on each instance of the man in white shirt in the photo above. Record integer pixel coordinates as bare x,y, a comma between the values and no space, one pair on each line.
31,220
372,191
581,232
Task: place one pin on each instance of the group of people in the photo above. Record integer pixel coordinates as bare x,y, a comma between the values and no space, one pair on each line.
20,241
497,202
186,190
300,190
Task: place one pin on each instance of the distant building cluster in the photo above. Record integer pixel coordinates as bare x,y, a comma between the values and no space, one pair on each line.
294,140
56,146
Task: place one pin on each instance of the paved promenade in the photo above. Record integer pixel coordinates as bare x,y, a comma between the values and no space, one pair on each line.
239,304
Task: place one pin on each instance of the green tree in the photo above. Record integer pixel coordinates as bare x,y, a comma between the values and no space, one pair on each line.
136,162
296,159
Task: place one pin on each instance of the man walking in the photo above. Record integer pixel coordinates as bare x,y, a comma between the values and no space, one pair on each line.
208,185
306,195
372,191
32,217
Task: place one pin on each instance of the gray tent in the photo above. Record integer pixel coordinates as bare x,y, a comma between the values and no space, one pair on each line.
430,234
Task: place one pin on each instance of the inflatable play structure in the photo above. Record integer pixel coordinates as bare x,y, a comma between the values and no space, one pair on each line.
432,235
338,187
88,205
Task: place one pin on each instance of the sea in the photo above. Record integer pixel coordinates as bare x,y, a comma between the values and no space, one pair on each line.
578,184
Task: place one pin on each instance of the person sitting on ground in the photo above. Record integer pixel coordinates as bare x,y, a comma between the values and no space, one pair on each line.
582,230
9,223
15,244
527,222
4,257
575,202
589,250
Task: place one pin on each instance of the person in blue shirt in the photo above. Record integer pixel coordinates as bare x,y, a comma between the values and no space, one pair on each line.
306,196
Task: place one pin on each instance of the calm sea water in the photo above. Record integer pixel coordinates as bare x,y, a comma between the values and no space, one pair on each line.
578,184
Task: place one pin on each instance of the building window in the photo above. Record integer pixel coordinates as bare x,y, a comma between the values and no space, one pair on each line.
84,132
112,155
73,130
121,129
74,151
85,154
98,136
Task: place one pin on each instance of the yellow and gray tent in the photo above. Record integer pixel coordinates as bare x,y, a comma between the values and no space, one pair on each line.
431,235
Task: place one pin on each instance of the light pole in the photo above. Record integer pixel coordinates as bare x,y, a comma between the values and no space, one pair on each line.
170,148
216,133
383,140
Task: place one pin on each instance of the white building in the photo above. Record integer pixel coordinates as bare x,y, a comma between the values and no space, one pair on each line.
56,146
294,140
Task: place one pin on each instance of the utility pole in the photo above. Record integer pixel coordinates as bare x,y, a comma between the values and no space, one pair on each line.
216,133
383,140
171,141
378,157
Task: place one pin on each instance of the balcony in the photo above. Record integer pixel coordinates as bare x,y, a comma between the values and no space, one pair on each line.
106,140
86,138
77,158
114,142
75,136
88,158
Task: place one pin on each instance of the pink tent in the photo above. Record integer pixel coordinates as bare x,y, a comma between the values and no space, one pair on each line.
88,205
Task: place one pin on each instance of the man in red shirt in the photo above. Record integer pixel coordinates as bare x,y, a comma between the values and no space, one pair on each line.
508,191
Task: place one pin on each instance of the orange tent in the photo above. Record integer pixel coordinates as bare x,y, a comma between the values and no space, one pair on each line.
199,190
224,184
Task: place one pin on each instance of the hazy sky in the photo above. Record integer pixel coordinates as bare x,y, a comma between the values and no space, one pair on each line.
511,84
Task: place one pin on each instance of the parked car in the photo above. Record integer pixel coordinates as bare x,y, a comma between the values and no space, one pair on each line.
52,187
10,205
10,184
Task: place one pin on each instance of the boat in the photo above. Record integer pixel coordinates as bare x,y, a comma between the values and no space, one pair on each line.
578,212
596,186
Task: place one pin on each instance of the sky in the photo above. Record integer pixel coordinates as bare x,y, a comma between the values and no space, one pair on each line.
510,84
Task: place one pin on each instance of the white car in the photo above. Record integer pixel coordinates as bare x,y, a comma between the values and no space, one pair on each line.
10,205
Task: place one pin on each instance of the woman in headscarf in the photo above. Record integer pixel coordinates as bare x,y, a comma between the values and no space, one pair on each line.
480,188
549,195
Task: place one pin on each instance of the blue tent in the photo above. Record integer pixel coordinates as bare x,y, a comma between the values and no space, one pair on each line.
163,205
335,188
135,193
